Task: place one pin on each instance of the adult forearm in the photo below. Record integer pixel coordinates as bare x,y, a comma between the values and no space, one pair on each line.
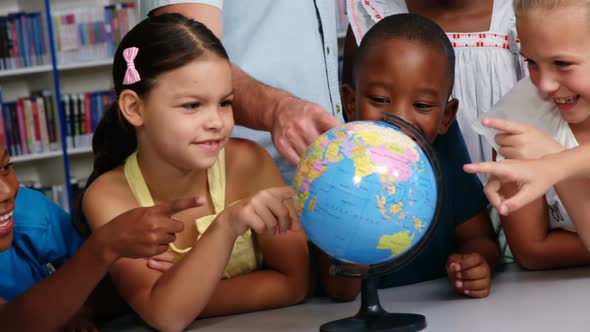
254,102
52,302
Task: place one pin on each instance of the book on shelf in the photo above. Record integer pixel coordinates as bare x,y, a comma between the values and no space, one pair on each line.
56,193
28,124
93,32
23,41
82,112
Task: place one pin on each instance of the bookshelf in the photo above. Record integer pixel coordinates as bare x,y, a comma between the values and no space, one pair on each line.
75,67
65,74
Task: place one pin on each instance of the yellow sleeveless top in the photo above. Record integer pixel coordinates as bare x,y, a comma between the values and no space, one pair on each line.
245,256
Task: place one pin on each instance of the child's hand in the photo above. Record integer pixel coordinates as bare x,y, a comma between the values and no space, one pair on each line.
266,212
145,232
81,322
533,179
469,274
519,141
162,262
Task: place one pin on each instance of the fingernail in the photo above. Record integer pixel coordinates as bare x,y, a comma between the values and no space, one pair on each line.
459,276
466,292
459,284
503,210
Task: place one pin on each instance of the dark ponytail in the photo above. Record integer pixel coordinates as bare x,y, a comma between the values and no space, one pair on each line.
113,141
165,42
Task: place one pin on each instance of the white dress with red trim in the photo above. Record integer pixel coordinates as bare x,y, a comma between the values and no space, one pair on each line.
487,65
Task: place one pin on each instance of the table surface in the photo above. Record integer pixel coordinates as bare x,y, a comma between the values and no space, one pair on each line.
555,300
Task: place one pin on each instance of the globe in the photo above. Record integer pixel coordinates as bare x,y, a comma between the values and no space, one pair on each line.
369,193
366,192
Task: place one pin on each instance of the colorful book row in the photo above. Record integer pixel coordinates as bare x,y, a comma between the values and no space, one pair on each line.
30,124
23,42
82,112
91,33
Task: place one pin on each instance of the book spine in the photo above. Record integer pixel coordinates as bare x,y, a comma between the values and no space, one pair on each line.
22,126
43,123
68,120
16,146
51,119
7,128
29,124
2,128
16,58
108,27
37,148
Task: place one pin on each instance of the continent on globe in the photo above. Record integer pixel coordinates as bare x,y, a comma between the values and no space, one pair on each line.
397,243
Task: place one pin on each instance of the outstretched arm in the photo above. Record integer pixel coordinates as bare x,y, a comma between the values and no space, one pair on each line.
161,298
54,300
283,279
172,300
533,178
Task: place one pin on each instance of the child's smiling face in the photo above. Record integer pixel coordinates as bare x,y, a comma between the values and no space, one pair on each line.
556,44
405,78
187,117
8,190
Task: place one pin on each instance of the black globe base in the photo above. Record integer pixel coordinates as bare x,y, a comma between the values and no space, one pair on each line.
372,317
386,322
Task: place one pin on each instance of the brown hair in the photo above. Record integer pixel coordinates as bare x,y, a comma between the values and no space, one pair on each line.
165,42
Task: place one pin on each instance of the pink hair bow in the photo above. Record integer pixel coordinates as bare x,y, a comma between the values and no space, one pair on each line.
131,74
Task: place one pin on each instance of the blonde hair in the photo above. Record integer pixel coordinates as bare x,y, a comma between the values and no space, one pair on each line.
521,7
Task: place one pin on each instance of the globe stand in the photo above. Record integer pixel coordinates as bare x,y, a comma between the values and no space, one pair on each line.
372,316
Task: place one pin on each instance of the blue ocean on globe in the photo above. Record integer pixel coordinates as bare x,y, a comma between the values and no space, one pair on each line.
365,192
